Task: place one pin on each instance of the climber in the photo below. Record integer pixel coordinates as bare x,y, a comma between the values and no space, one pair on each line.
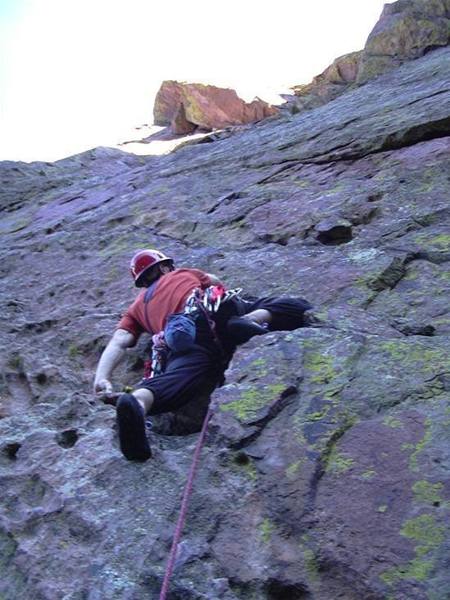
196,365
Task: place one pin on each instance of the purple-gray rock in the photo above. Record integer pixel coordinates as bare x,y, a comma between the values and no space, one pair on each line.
325,473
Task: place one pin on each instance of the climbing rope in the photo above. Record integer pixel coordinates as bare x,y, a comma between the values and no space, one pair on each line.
207,301
184,506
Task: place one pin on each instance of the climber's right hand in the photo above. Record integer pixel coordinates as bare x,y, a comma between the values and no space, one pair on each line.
103,389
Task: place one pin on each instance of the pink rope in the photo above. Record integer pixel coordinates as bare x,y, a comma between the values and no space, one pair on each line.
184,506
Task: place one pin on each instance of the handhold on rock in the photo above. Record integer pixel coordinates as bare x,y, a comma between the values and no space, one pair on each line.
68,438
333,232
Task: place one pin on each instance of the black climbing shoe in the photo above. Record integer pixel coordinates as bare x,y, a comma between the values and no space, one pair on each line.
131,427
241,330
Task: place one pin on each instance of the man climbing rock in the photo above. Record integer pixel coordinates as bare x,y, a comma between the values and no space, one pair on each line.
196,326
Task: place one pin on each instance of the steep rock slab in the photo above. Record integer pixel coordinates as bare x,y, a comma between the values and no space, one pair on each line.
333,479
185,106
261,209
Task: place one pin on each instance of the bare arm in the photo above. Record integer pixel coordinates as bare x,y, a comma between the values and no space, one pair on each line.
110,358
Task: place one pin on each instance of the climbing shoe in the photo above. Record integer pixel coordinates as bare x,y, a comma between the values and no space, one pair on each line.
241,330
131,427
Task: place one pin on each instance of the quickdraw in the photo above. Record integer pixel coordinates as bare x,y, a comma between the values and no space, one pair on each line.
211,298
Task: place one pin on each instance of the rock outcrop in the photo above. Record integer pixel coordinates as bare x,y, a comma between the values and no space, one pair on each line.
407,29
335,80
186,106
326,469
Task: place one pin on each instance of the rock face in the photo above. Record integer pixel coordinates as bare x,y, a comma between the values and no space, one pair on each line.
186,106
407,29
326,470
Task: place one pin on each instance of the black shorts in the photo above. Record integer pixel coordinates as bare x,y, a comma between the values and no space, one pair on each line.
201,369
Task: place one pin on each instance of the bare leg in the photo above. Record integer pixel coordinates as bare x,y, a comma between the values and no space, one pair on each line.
145,398
260,315
253,323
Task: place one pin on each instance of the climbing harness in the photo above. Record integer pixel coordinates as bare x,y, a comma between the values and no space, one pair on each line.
184,506
200,302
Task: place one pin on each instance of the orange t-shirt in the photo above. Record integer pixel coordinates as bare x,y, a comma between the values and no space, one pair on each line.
169,296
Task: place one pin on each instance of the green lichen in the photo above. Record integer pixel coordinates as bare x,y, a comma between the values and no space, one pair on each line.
320,366
362,281
426,187
442,241
73,351
251,401
416,569
420,357
337,462
394,350
343,420
407,446
296,427
317,416
258,363
294,468
445,275
301,183
382,509
368,474
332,391
419,447
259,367
250,470
266,530
423,529
15,362
427,493
391,421
311,566
410,275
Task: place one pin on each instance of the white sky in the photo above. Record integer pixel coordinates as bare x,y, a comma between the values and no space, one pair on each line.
75,74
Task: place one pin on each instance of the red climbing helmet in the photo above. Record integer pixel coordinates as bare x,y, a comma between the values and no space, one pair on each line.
144,260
